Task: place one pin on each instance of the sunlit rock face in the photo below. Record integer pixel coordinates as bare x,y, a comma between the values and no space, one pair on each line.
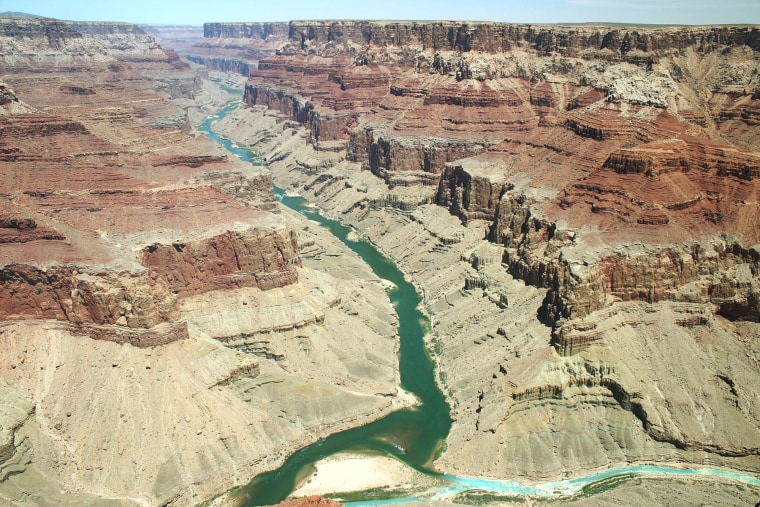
155,311
614,174
98,169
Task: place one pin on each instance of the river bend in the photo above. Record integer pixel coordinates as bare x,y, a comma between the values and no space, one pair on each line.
413,435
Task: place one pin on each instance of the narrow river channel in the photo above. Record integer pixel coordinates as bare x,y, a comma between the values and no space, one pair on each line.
414,436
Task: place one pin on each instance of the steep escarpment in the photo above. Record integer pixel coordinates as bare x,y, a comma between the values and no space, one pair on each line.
245,30
263,259
223,64
589,257
124,308
97,210
499,37
156,313
720,272
237,47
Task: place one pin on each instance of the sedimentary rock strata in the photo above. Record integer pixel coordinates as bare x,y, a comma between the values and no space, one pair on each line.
236,47
158,327
613,172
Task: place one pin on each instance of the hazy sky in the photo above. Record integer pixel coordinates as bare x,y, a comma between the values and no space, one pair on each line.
195,12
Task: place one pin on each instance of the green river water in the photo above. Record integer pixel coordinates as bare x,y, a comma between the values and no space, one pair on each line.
412,435
416,435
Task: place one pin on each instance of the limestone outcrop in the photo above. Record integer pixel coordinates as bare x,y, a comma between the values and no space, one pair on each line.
156,314
500,37
578,205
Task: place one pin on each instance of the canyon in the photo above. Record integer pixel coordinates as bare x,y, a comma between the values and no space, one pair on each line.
577,205
167,332
236,47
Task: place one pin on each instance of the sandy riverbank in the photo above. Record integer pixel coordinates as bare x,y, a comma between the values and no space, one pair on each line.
348,472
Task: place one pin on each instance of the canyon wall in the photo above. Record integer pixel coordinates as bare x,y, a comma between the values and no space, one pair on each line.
245,30
577,204
223,64
263,259
501,37
236,47
156,313
613,173
76,167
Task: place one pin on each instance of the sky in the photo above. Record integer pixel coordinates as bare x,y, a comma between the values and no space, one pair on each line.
196,12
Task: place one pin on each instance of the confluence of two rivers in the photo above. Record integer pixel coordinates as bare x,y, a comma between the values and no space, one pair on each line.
412,435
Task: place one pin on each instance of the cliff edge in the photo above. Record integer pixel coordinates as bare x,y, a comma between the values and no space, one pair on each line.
609,315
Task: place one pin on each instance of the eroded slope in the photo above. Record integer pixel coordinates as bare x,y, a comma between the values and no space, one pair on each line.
610,317
163,338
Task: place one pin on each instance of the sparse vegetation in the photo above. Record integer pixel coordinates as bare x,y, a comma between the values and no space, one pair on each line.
606,484
478,497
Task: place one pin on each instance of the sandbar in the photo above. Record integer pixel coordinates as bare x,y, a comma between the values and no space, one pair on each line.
350,472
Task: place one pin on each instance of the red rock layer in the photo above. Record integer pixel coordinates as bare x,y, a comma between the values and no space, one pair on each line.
645,136
688,184
422,111
109,211
259,258
123,307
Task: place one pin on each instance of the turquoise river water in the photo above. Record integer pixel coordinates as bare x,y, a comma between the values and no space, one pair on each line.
415,435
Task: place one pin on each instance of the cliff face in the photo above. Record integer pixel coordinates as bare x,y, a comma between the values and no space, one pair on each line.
89,185
223,64
155,312
500,37
604,122
468,192
124,308
54,32
614,173
258,258
494,92
25,40
721,275
236,47
245,30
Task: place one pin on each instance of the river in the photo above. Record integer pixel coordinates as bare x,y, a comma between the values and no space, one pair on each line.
414,436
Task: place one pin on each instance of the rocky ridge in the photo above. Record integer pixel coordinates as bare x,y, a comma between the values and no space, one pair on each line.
613,171
151,291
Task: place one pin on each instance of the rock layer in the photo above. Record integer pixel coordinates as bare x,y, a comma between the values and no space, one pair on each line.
236,47
152,293
263,259
612,171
